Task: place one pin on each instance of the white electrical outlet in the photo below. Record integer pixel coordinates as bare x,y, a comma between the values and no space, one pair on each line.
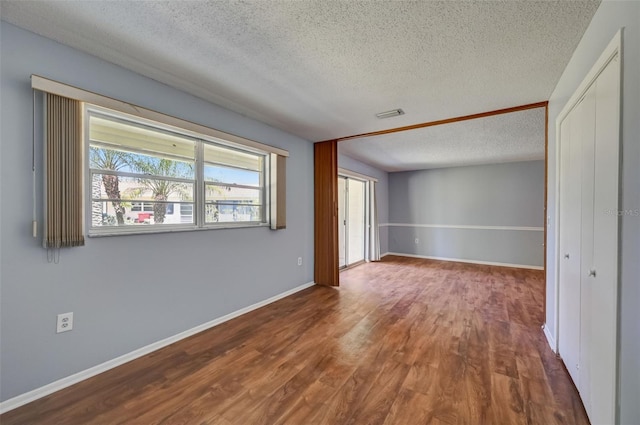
65,322
299,261
417,241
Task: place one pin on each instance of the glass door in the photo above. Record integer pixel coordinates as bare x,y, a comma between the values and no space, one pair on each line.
342,221
351,221
355,221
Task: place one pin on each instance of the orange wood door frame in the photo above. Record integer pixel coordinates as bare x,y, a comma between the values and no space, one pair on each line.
446,121
326,213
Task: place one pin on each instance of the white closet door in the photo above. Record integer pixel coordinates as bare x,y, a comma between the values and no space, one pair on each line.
569,270
604,285
586,126
589,159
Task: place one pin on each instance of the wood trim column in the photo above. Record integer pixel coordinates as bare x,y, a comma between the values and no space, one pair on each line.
326,213
546,187
546,197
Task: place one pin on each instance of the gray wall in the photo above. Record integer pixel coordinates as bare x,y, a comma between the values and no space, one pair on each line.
610,16
382,191
126,291
510,195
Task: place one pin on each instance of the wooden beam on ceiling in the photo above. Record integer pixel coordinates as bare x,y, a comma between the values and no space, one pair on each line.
445,121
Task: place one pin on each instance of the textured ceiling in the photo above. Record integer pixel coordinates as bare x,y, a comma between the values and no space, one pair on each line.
323,69
516,136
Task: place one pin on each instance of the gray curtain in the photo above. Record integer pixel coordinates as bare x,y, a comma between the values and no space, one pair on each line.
64,219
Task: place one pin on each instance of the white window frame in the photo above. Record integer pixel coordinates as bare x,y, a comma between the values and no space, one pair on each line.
199,205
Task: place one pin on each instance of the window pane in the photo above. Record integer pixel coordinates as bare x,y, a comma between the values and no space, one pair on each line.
229,157
107,186
230,213
118,200
106,214
228,204
232,194
127,136
219,174
115,160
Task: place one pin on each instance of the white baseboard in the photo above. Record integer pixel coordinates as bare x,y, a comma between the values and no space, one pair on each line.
460,260
384,255
550,339
33,395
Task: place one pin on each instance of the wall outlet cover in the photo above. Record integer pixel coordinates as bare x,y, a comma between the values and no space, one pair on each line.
64,322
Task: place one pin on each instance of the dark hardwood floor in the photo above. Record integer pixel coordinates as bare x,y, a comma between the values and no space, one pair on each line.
403,341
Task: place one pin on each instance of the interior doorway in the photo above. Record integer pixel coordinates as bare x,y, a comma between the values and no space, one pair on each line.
351,221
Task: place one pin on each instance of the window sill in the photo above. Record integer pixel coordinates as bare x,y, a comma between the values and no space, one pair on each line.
117,231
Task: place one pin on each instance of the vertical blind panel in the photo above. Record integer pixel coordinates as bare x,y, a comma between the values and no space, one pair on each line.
64,226
278,192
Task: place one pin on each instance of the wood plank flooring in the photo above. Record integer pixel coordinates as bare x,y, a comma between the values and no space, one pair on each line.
403,341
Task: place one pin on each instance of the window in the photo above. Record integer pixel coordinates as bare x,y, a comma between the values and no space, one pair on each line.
186,213
159,163
233,182
141,206
149,177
